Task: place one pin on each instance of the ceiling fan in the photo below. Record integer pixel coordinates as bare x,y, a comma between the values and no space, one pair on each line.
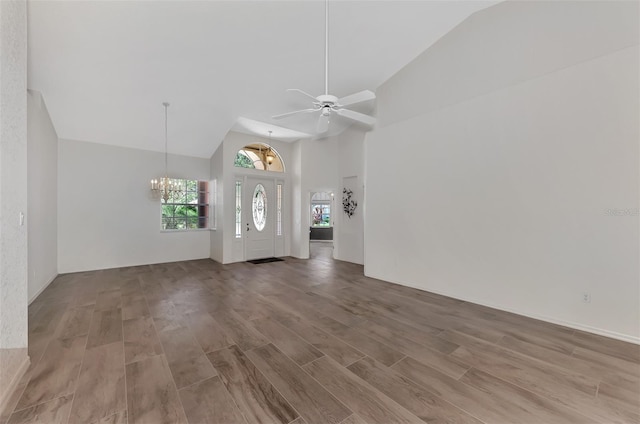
326,103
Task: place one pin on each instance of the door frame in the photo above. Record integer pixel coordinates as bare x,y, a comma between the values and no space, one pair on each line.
306,233
331,202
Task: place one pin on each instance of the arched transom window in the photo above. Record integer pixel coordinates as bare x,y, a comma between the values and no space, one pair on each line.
259,156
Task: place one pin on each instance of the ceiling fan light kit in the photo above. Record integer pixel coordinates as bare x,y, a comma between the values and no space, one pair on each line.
327,103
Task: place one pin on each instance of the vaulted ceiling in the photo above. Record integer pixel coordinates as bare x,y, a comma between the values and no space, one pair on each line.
105,67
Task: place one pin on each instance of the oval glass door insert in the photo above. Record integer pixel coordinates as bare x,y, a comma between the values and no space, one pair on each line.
259,207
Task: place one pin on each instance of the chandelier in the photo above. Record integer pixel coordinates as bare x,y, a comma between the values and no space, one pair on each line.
165,186
270,157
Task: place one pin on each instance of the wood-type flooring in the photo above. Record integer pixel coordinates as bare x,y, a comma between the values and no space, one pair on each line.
304,341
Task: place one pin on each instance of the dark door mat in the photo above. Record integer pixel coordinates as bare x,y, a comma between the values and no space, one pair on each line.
265,260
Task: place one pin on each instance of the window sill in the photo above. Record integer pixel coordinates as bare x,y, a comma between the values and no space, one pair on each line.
192,230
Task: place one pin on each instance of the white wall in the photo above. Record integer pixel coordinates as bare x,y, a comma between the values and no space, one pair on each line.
297,211
42,194
318,173
107,216
324,165
233,247
349,231
217,233
513,138
13,195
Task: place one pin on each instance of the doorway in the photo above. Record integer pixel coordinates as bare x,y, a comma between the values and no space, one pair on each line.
321,229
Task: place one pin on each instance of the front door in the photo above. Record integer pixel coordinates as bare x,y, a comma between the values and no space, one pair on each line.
260,206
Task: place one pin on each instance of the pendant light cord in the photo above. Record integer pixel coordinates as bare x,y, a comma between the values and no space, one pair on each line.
166,137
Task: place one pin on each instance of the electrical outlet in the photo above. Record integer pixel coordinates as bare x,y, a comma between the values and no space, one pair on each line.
586,297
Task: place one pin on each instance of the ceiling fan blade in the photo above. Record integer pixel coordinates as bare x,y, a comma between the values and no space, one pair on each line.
285,115
357,116
362,96
323,124
302,92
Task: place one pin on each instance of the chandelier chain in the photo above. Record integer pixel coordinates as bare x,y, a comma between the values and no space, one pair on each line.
166,187
166,138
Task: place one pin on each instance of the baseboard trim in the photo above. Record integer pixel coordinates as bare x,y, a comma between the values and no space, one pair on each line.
35,296
131,265
551,320
13,384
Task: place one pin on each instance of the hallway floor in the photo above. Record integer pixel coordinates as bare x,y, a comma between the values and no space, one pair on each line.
304,341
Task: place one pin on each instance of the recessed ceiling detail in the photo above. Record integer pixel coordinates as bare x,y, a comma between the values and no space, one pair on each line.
262,129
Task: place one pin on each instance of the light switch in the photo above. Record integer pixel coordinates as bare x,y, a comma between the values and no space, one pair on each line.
21,219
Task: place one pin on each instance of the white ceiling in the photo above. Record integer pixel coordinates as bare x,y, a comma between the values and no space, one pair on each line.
105,67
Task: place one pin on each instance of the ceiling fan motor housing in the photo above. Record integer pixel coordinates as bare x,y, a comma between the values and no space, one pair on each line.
327,99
